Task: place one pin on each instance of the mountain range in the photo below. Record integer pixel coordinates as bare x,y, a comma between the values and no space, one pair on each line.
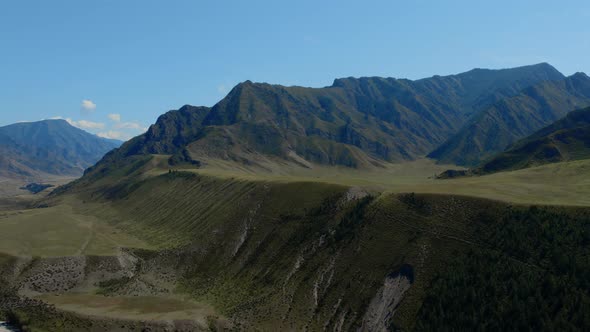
504,122
565,140
360,122
31,150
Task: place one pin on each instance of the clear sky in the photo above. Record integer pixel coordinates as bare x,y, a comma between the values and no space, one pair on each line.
113,66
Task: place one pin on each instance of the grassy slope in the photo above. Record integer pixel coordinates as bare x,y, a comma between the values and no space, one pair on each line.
286,250
266,228
566,139
492,130
297,268
59,231
556,184
563,145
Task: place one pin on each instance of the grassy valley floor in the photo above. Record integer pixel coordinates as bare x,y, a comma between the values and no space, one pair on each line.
10,187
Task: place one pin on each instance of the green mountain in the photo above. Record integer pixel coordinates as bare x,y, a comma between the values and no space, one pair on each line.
28,150
509,119
566,139
355,122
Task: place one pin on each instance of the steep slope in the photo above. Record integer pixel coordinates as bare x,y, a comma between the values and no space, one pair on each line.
510,119
565,140
355,122
12,162
49,147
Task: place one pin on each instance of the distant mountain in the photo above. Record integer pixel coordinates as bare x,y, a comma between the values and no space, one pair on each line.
510,119
564,140
28,150
355,122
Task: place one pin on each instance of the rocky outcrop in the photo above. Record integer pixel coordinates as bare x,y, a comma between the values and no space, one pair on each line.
379,315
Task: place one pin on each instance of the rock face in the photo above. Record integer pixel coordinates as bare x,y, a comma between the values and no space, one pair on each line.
379,315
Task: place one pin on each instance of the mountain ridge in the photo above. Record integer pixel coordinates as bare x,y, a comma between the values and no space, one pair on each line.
510,119
358,123
565,140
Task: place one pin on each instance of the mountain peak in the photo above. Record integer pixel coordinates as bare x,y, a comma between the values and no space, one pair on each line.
49,147
545,65
58,122
579,75
537,68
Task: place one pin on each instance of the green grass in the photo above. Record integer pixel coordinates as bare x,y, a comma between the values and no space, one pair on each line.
563,183
59,231
566,183
283,248
175,209
12,187
134,308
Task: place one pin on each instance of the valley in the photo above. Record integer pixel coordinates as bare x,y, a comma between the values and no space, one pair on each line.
11,187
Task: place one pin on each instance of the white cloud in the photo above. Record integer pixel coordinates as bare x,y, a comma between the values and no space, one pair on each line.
113,134
130,126
115,117
83,124
117,130
88,106
90,125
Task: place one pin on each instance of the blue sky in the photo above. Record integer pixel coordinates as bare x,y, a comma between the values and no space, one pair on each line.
113,66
